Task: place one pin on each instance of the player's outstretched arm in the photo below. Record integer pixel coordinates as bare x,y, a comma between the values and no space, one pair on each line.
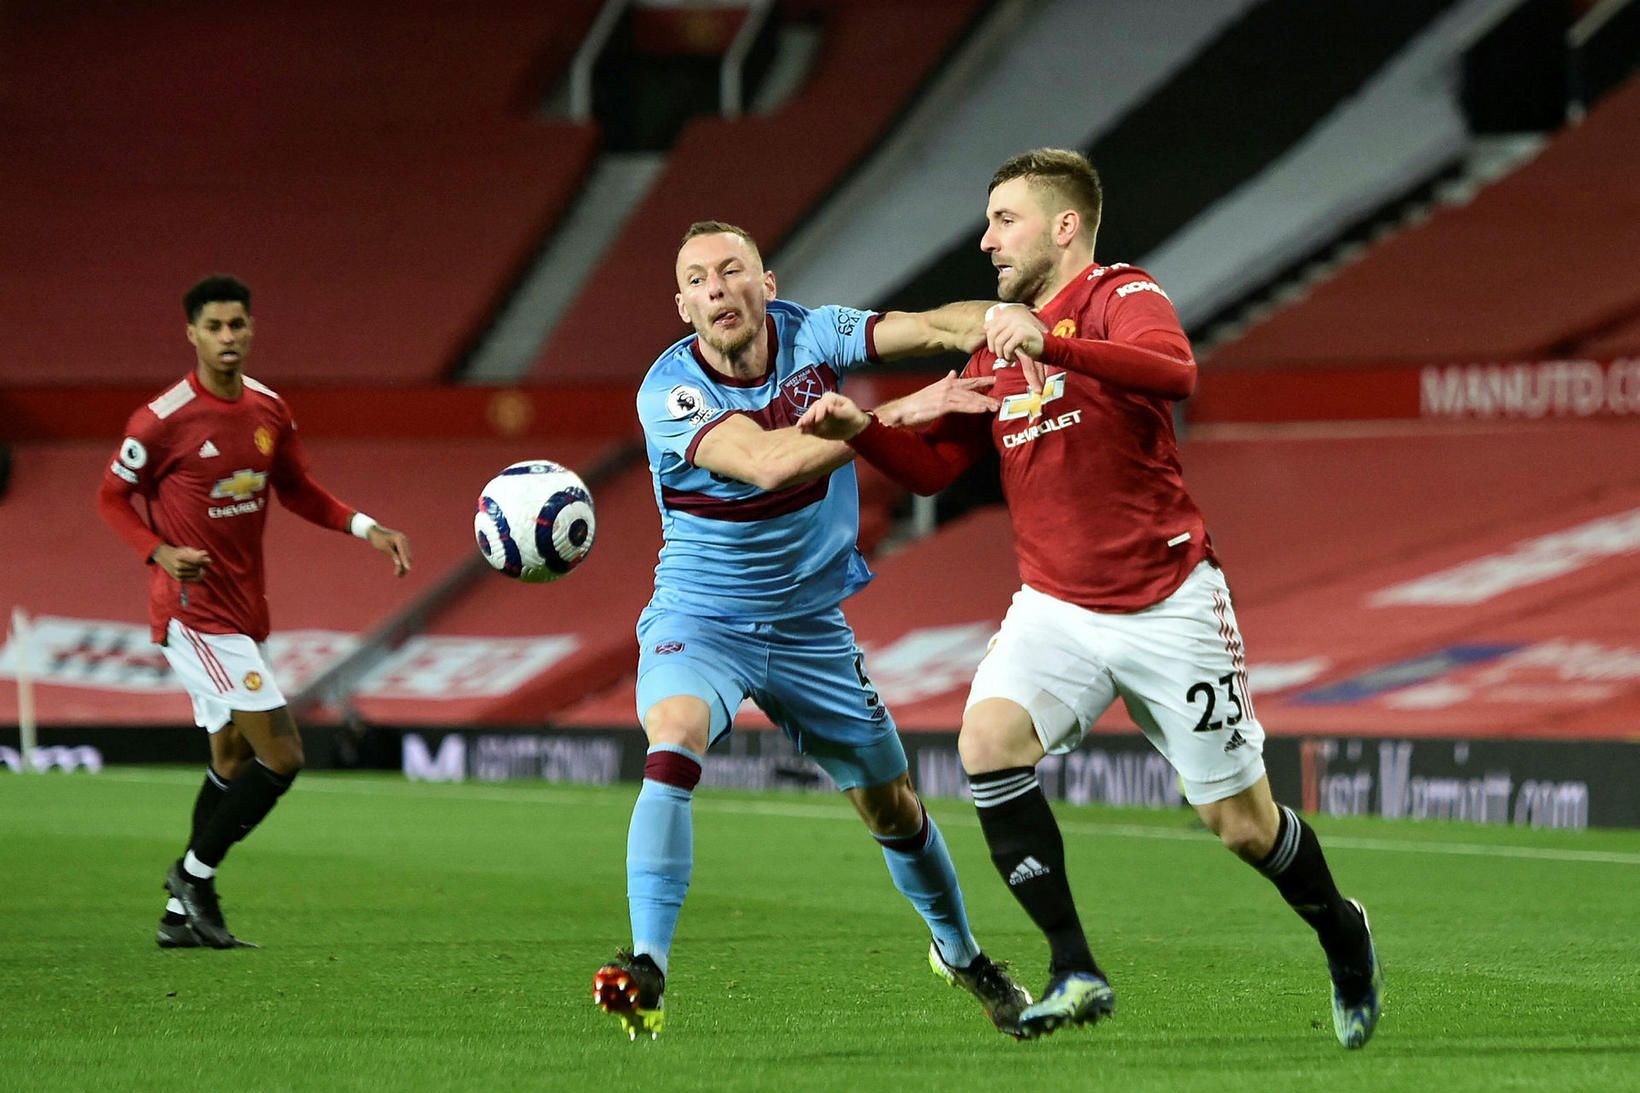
920,462
954,328
770,459
951,394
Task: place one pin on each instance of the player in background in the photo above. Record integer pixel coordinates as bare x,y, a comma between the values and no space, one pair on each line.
1122,593
202,456
760,524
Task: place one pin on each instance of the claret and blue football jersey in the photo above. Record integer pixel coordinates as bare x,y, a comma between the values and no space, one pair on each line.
732,549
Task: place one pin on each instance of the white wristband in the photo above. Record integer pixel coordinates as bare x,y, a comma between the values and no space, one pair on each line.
361,525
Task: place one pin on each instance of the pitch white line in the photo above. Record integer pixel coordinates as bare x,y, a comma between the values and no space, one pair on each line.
576,795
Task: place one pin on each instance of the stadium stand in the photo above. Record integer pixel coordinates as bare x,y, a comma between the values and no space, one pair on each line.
1247,96
922,192
1540,264
378,212
874,57
1619,339
1404,579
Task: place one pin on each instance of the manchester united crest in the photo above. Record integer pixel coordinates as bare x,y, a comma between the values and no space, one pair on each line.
263,439
253,681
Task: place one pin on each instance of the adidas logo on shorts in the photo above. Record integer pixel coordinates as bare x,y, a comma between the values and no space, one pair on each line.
1025,870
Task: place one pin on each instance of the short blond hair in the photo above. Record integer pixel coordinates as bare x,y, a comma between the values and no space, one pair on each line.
719,227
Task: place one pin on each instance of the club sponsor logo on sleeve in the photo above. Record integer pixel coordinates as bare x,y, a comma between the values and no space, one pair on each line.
1141,286
666,648
848,320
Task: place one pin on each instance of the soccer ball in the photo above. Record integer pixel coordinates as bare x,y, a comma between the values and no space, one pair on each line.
535,521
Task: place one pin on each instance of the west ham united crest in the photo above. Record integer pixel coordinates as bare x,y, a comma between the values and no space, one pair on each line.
803,389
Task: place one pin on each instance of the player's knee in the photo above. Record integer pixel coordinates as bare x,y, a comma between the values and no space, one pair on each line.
993,740
287,759
681,721
896,813
979,751
1245,838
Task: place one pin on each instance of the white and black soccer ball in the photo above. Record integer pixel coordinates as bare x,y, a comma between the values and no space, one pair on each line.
535,521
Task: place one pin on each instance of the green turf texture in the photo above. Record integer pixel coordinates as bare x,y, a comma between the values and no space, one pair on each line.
421,937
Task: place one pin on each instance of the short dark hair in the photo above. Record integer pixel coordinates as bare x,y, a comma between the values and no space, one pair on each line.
718,227
1066,175
218,288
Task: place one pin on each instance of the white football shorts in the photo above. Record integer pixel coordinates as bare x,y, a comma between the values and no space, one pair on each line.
1178,666
222,673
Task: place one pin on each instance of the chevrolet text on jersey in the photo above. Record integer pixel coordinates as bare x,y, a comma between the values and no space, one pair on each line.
1041,428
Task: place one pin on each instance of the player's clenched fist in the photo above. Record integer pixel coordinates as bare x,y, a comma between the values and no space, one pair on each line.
1011,329
182,563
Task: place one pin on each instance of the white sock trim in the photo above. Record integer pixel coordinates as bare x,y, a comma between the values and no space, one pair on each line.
989,793
196,868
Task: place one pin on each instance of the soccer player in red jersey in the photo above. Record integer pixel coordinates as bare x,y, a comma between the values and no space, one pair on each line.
203,455
1122,593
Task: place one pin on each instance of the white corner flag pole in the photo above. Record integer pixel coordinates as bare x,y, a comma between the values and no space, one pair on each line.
24,655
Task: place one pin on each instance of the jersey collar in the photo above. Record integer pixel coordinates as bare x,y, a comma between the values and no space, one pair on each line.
203,392
1059,297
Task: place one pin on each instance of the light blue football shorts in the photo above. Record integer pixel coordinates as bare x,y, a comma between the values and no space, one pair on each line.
807,674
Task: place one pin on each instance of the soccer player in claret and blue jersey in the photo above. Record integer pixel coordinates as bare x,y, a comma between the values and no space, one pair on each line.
760,525
1122,593
202,455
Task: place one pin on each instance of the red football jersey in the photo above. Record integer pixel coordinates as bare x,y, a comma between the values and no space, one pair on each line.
204,465
1091,469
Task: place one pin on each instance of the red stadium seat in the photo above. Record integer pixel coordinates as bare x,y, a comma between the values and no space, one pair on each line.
378,212
1541,264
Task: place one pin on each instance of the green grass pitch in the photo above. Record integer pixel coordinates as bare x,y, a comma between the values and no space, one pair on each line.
423,937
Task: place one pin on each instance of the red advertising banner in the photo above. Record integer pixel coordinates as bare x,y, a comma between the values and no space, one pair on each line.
1515,391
